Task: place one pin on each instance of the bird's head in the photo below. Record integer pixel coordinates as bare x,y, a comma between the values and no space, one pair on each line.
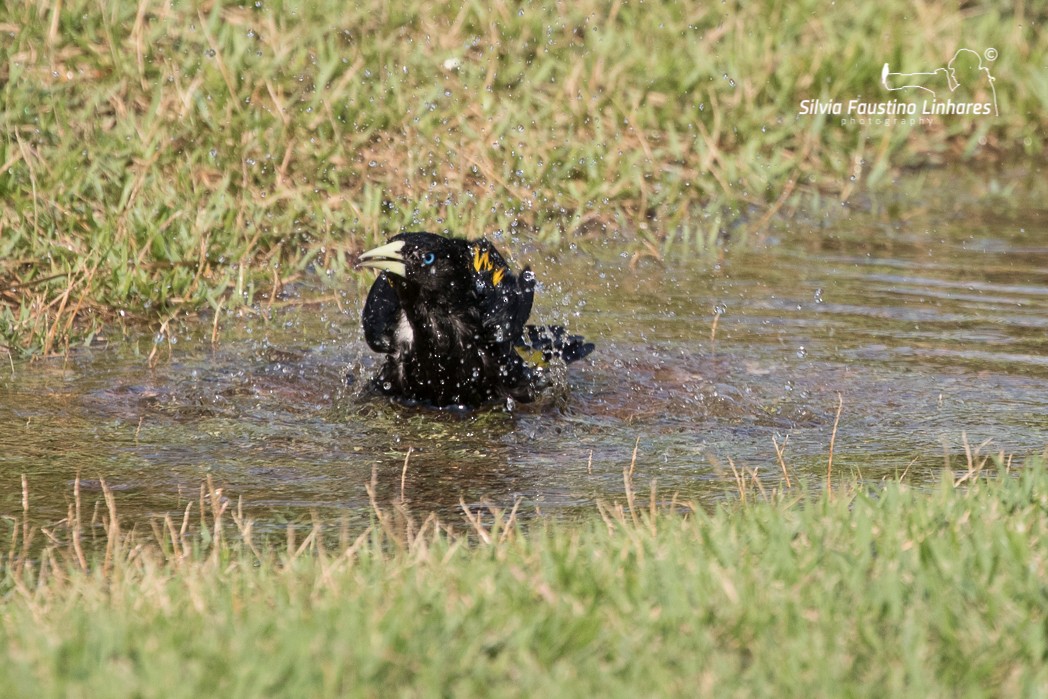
435,264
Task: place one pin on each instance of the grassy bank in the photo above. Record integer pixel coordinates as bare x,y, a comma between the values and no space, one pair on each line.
889,592
163,158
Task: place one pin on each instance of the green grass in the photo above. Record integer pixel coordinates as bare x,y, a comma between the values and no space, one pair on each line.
871,591
163,158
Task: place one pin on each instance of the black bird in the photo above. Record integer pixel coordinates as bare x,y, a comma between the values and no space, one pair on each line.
452,321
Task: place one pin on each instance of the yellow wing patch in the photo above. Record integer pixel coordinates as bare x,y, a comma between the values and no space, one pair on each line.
531,356
481,261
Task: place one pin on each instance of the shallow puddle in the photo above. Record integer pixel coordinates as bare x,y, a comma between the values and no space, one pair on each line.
931,331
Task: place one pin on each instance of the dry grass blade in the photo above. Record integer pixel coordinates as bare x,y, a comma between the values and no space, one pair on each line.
112,529
833,441
75,537
404,473
740,482
627,481
974,463
779,452
475,521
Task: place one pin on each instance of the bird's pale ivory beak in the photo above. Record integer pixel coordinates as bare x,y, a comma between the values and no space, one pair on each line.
386,258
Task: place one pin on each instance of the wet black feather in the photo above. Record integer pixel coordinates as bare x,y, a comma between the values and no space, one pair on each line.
454,327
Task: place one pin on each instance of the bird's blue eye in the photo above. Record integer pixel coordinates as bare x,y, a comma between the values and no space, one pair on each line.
429,258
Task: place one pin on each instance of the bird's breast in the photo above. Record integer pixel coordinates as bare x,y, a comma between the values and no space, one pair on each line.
404,333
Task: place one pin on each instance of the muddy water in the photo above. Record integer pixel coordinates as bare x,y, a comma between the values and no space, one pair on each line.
933,332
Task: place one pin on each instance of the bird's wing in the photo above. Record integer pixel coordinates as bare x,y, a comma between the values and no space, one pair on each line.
526,292
381,315
505,308
554,341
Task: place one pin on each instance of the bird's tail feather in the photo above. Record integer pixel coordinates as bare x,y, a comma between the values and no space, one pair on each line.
554,341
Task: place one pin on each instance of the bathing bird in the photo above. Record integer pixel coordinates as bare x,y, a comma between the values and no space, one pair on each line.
452,320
